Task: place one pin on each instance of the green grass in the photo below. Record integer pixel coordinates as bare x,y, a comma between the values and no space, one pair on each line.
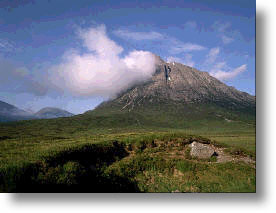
51,154
60,165
159,175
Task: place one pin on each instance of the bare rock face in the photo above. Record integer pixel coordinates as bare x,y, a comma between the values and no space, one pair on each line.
186,85
184,94
202,151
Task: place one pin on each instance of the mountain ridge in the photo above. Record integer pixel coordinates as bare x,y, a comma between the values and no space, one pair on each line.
9,112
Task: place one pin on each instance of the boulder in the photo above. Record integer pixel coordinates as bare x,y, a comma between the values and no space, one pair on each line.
202,151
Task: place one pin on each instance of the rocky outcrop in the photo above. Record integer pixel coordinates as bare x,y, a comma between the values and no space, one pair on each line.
201,151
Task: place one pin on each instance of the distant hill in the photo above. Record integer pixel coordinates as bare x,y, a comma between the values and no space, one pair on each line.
9,112
51,112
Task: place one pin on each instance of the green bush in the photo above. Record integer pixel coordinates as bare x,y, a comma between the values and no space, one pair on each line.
70,173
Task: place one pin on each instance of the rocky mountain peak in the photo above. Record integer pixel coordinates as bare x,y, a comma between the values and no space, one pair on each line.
175,82
180,92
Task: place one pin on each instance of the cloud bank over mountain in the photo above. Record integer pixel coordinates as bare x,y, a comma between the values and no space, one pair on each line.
100,67
101,70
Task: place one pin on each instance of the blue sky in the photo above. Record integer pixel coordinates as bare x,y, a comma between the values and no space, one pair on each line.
38,38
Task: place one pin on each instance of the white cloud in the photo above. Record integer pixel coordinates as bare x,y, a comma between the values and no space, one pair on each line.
6,46
187,60
212,55
224,30
177,47
95,39
101,71
138,35
220,65
226,39
171,44
222,75
221,27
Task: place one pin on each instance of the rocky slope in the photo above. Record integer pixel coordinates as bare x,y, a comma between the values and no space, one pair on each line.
187,86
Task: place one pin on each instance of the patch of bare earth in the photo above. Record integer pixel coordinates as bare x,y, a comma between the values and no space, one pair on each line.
225,157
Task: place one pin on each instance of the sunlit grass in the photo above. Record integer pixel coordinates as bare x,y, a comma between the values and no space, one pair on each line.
27,146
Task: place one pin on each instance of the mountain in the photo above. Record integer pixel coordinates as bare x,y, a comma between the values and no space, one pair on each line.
51,112
186,96
9,112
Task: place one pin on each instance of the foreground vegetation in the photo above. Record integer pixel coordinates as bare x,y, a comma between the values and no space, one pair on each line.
116,151
66,155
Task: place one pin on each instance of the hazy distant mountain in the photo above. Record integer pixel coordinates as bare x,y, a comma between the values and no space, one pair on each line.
9,112
51,112
185,95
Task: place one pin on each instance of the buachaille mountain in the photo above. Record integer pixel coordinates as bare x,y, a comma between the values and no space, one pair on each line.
185,95
52,112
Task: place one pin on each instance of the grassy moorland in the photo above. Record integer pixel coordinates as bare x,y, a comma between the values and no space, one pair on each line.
82,154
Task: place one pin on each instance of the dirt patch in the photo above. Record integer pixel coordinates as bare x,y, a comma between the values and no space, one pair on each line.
222,157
